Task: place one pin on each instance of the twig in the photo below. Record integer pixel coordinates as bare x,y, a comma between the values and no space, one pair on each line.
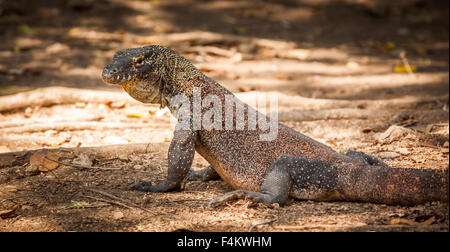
81,166
108,201
406,63
117,198
263,223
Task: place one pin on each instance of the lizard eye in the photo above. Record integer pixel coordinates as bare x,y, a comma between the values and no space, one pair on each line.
139,61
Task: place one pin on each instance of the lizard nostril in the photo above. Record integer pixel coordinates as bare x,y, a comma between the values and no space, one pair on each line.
114,71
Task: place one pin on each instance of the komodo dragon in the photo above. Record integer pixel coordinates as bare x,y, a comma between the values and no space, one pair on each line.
292,164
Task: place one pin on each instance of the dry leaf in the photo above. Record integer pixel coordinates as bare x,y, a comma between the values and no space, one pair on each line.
397,221
283,76
97,118
241,30
83,160
9,212
80,105
407,123
116,105
368,130
40,161
405,69
329,141
245,89
76,205
135,115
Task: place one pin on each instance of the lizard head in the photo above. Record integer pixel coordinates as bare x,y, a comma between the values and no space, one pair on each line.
151,74
130,65
138,71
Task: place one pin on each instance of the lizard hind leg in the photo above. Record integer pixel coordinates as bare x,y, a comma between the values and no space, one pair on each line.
274,189
365,158
204,175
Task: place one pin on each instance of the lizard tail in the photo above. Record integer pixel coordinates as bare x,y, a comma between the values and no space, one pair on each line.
404,186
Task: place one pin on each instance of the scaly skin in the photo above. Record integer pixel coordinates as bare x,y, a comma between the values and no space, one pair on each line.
267,171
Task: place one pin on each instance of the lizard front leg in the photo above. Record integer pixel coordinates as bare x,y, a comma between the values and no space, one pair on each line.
181,154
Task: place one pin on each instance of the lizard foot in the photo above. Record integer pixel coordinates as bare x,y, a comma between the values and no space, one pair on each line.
144,186
241,194
164,186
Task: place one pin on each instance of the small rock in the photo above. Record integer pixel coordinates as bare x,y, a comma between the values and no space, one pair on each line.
114,140
352,65
56,48
50,133
388,155
31,170
80,105
403,151
138,167
393,133
26,207
118,215
123,157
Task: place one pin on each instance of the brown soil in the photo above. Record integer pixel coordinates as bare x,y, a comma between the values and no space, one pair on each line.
321,57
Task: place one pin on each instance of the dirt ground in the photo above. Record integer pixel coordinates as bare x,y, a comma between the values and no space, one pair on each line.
359,75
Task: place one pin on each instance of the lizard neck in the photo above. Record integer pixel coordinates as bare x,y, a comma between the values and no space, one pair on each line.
171,76
179,78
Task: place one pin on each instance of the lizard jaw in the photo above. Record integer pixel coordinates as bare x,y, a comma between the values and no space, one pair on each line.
116,80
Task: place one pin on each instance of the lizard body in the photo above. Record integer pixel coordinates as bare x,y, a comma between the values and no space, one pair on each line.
292,164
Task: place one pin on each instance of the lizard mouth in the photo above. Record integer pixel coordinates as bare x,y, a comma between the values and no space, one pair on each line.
116,80
112,77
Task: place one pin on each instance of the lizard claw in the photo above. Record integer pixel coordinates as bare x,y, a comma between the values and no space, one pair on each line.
234,195
192,176
145,186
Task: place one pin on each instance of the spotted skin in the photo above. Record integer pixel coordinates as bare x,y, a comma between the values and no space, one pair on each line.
266,171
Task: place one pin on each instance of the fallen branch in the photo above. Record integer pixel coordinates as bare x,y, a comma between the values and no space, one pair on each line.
81,166
49,96
76,125
20,158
